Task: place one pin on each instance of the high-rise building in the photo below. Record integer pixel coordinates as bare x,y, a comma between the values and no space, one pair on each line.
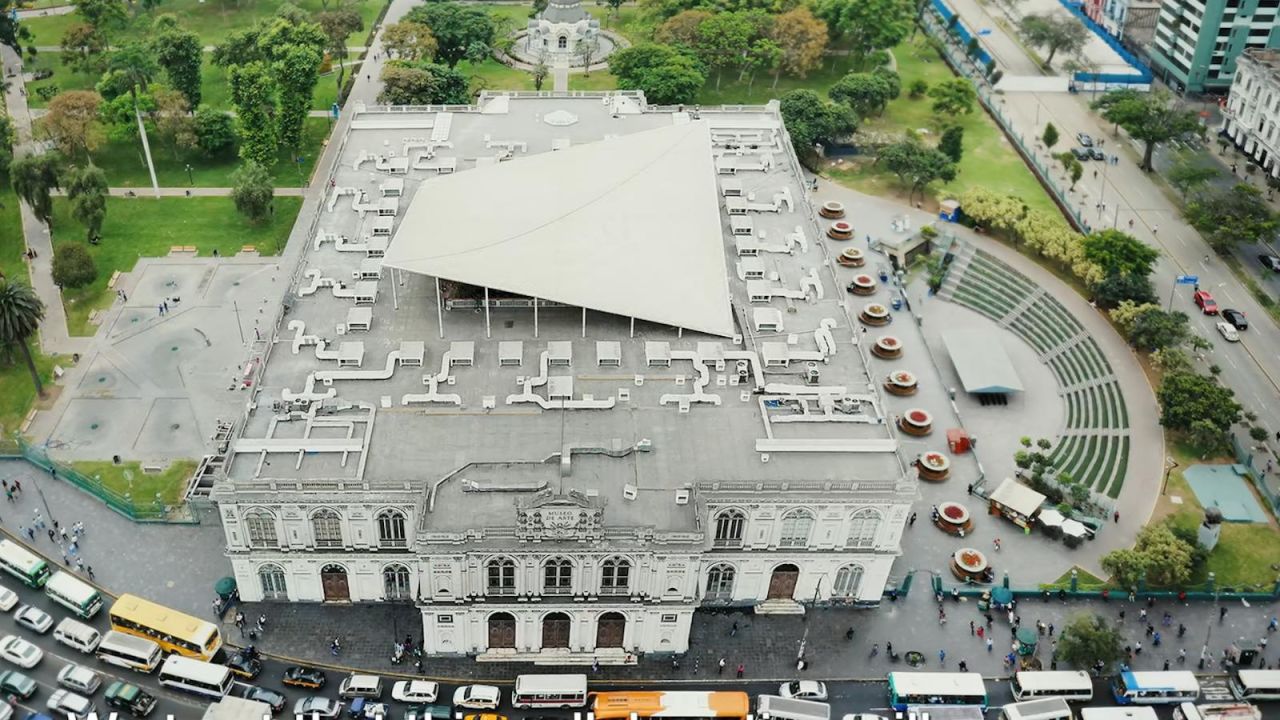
1252,111
1197,41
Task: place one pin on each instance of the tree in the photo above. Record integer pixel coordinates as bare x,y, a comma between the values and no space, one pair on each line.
865,26
73,266
34,178
866,93
103,15
1156,329
7,138
585,50
951,143
540,73
810,120
997,211
682,28
1187,397
297,70
1089,639
802,38
72,122
1050,137
1119,252
1187,175
252,191
1150,117
253,93
723,40
953,97
1054,33
919,88
180,53
455,27
1117,288
422,83
11,31
215,131
20,315
82,49
1158,556
173,120
409,40
337,26
136,64
667,76
87,192
917,165
1238,215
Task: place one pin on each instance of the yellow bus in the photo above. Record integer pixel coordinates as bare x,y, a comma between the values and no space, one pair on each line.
680,705
173,631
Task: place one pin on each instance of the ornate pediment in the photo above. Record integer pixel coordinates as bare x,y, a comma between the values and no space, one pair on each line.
552,516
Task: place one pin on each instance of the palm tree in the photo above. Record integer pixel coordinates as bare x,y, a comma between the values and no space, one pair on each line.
20,315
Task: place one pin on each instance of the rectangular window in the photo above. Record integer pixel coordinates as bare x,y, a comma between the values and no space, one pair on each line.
444,619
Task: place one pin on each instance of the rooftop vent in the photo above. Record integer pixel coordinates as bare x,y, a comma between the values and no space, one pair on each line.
682,496
629,492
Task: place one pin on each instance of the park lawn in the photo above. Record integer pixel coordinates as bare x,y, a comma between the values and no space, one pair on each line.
493,75
629,23
148,227
213,21
125,164
127,478
597,80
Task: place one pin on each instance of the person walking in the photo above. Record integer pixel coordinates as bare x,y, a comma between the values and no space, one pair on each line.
981,631
89,570
971,628
964,666
997,544
1115,516
240,622
720,670
262,623
942,657
733,630
912,521
990,645
742,669
1222,614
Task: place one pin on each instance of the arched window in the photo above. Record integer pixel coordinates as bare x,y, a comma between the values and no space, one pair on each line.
273,583
848,581
500,577
326,528
557,577
730,525
562,42
863,528
260,526
720,582
615,576
796,526
395,583
391,532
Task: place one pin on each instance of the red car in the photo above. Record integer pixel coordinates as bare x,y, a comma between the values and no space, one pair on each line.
1205,302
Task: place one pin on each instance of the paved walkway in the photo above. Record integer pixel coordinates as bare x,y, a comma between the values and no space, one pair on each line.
41,112
188,192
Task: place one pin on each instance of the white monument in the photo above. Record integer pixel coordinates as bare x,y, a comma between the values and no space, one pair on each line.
558,29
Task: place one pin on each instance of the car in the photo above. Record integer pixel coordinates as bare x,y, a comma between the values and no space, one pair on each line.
1081,153
1084,139
477,697
130,698
8,599
863,716
20,652
13,682
65,702
244,665
1096,154
1228,332
429,712
317,707
33,618
264,695
1236,318
1205,302
804,690
305,677
79,678
415,691
1270,262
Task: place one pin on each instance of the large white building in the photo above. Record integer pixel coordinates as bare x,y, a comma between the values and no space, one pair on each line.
561,371
1252,112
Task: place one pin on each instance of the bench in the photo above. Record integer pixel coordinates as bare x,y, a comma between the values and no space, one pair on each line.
115,278
248,248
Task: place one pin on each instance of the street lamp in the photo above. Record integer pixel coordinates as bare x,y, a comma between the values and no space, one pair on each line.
1169,465
190,179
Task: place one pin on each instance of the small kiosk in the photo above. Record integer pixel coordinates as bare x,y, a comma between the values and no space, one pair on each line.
1015,501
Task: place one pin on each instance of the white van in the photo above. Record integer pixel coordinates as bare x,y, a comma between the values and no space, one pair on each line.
360,686
773,707
76,634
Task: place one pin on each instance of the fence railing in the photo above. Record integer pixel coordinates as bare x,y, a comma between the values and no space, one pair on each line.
1244,456
1144,75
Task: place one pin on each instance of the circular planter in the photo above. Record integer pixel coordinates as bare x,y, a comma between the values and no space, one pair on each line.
916,422
874,314
887,347
840,230
970,565
863,285
851,257
832,209
901,382
953,519
933,466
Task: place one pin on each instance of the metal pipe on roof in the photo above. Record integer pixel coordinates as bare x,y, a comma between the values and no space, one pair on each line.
395,301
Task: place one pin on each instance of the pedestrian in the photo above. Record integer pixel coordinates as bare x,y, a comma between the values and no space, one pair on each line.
65,561
981,631
8,494
1130,223
733,630
1122,615
166,307
161,309
1050,629
1142,615
990,620
942,616
80,564
1041,628
1155,229
1137,647
63,532
89,569
912,521
1222,614
262,623
17,486
1182,655
52,537
942,657
595,665
1182,629
1271,626
989,644
997,544
1150,630
720,670
888,649
1116,516
970,488
742,669
971,627
964,666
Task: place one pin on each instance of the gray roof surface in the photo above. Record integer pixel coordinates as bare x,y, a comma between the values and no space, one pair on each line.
564,11
981,361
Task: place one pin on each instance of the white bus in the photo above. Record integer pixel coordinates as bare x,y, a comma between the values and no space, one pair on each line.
1217,711
1155,688
195,676
1118,713
128,651
550,691
1255,684
22,564
936,688
75,595
1074,685
1041,709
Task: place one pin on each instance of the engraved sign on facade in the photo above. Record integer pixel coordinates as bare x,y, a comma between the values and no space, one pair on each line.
570,516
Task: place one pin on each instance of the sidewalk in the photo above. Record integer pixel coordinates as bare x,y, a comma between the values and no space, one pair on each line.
144,192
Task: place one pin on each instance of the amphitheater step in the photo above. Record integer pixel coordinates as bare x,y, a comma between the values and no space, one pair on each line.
1022,306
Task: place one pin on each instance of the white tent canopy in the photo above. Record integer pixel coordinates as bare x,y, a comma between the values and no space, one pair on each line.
628,226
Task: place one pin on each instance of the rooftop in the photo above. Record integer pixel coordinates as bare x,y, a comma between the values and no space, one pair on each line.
1266,57
432,393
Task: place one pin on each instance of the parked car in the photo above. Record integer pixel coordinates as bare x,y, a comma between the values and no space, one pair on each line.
1084,139
8,599
313,707
804,690
430,712
1205,302
1228,332
65,702
306,677
1236,318
79,678
33,618
261,694
1081,153
13,682
415,691
1270,262
477,697
1096,154
20,652
130,698
244,665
